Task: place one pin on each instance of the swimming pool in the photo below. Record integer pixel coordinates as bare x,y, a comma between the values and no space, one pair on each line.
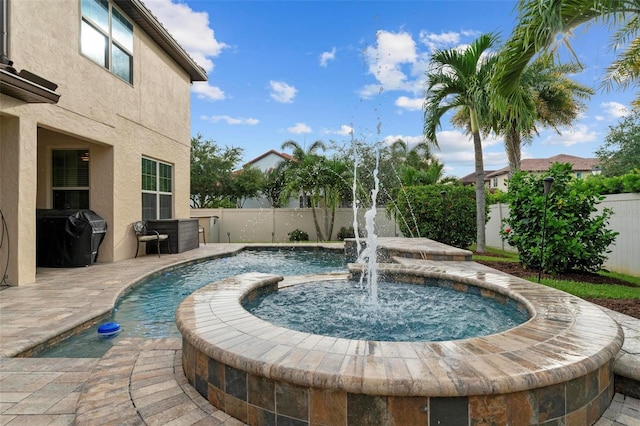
148,310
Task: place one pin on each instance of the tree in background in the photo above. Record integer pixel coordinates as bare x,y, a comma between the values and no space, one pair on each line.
547,98
576,239
304,174
211,173
215,180
275,183
247,183
620,153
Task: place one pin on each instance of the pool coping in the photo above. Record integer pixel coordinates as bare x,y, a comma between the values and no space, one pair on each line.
566,338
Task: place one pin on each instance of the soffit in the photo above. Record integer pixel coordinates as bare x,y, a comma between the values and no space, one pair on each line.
150,25
13,85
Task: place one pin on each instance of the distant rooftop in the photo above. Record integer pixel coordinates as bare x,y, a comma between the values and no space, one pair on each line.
543,164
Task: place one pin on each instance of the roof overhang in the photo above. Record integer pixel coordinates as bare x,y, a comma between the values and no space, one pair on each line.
25,89
150,25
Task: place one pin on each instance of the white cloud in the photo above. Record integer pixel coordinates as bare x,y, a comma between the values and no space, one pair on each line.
205,91
325,57
456,151
439,41
411,141
386,60
411,104
282,92
231,120
615,109
370,90
190,29
299,128
568,137
344,130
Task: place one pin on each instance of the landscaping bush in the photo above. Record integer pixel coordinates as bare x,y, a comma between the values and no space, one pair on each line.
575,237
603,185
298,235
347,233
422,211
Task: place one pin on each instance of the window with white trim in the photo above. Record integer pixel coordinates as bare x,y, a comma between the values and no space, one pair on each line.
70,178
495,182
157,189
106,37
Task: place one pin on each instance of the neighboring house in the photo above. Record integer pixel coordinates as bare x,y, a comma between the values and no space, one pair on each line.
100,121
264,163
582,167
470,179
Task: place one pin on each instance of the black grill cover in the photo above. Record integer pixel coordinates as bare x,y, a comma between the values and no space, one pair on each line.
68,237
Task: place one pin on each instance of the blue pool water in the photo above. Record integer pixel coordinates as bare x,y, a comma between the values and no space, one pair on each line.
149,309
403,312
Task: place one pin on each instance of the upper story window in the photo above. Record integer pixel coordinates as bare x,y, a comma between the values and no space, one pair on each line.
106,37
495,182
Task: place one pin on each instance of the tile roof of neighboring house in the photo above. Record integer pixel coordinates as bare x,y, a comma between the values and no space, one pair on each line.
543,164
283,155
143,17
470,179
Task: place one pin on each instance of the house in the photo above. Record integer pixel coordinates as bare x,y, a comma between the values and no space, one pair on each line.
470,179
94,114
582,167
265,162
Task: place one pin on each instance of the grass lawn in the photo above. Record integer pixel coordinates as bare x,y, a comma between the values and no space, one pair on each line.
582,289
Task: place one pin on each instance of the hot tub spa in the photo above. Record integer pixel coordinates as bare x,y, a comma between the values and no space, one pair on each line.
556,367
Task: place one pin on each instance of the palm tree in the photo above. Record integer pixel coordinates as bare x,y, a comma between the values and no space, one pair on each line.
540,22
458,80
418,157
305,173
551,100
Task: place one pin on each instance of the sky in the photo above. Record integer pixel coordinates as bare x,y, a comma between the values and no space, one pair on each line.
336,70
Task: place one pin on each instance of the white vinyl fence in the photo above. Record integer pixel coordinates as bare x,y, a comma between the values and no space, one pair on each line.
274,225
625,251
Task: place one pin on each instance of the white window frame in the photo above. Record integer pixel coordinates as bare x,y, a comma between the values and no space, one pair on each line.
156,191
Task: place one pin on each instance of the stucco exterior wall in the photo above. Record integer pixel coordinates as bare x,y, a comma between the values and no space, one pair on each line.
118,122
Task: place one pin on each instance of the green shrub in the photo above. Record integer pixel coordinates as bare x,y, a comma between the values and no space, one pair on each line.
575,237
298,235
423,211
347,233
603,185
495,197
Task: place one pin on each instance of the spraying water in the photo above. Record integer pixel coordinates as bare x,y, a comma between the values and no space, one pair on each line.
369,255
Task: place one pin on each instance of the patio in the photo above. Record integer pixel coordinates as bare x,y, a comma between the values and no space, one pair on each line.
142,378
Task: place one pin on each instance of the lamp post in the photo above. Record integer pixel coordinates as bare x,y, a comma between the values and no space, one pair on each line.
548,181
443,212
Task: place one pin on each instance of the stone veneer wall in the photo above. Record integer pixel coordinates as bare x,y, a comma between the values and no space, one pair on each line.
258,400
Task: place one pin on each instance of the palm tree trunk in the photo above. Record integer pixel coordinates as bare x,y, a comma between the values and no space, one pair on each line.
333,221
315,222
513,145
480,201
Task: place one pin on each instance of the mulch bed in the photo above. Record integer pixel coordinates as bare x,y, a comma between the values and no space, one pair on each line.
629,307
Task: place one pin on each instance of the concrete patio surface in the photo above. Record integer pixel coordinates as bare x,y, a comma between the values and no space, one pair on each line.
139,381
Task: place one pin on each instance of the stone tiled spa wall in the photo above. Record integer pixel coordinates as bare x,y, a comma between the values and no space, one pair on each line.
258,400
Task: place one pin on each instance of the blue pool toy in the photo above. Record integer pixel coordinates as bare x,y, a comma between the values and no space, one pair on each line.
109,329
